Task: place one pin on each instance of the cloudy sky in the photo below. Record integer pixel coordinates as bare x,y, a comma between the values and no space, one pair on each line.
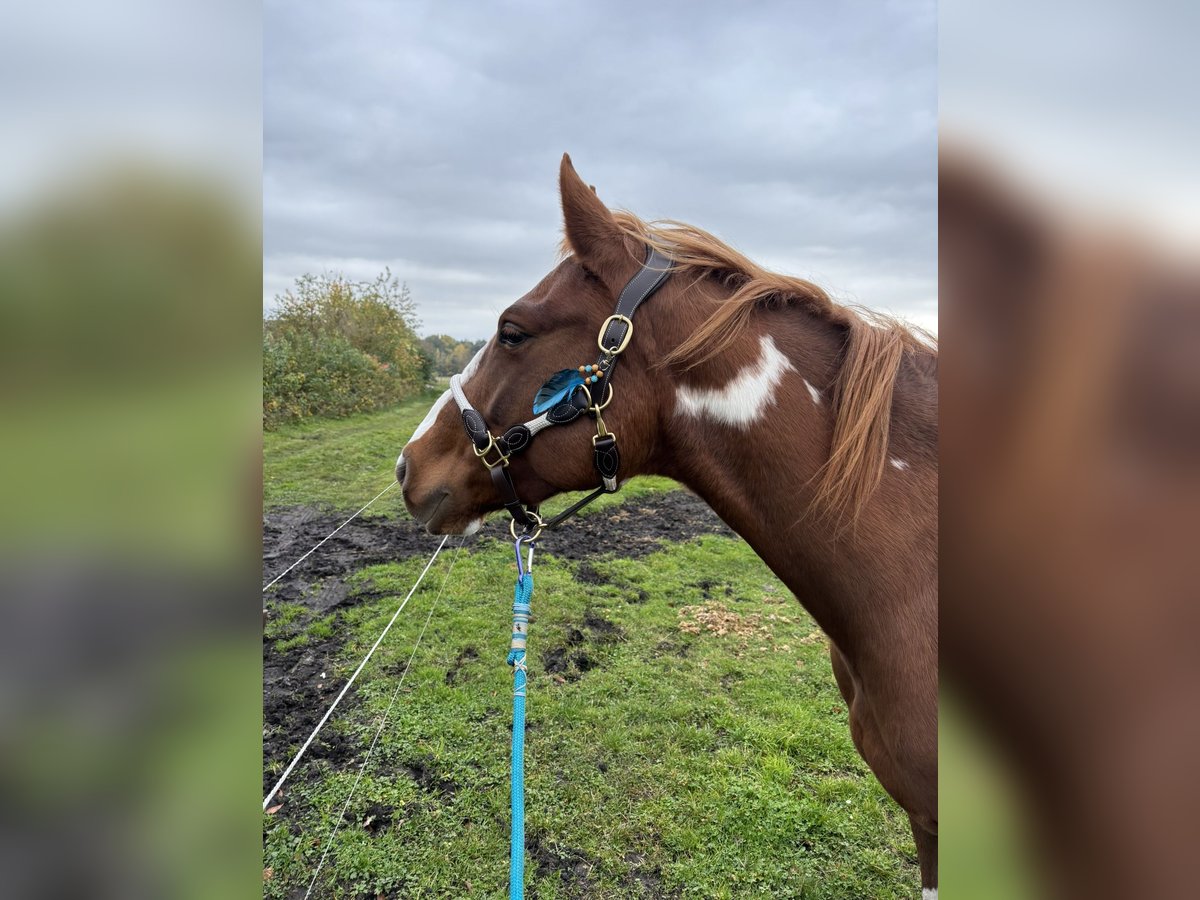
426,136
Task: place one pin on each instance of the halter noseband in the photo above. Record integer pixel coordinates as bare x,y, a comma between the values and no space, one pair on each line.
613,339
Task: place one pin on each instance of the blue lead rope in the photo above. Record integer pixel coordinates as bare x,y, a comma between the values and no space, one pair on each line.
516,659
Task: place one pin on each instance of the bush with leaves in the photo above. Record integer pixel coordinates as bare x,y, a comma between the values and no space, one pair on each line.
334,347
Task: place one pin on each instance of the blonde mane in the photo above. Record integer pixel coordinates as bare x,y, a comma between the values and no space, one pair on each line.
862,391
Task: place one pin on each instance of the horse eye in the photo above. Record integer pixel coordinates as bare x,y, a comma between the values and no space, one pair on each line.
510,335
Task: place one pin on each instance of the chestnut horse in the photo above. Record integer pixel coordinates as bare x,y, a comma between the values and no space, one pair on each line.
811,429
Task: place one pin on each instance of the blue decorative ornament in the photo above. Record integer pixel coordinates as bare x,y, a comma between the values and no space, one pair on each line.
557,389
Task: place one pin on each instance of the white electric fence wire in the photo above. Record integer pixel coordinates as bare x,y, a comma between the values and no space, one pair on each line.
383,720
329,712
331,534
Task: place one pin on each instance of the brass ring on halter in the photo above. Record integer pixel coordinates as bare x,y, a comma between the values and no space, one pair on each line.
591,404
528,535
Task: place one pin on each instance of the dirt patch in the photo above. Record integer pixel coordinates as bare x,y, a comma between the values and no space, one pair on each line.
430,780
663,648
465,655
645,880
561,661
575,871
587,574
602,630
636,528
567,665
290,532
707,585
375,818
573,867
572,660
294,697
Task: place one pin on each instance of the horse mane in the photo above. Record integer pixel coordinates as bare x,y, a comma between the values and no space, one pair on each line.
874,347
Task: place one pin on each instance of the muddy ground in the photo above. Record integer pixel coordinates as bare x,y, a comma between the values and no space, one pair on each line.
294,693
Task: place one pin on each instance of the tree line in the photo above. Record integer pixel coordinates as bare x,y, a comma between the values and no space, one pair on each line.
447,355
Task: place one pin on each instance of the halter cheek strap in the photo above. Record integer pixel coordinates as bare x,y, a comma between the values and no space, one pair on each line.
613,339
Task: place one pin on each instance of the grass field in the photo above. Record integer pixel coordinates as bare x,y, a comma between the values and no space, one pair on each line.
686,737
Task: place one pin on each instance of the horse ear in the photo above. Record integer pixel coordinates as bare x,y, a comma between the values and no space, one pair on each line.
592,232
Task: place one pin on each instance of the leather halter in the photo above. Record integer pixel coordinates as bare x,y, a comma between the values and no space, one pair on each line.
613,339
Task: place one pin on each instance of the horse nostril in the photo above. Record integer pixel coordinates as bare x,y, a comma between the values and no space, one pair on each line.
401,468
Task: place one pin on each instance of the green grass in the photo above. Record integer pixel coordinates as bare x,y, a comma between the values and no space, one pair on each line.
986,849
664,758
340,463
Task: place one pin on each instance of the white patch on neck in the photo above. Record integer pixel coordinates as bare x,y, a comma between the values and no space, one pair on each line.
928,893
899,464
813,392
431,416
740,402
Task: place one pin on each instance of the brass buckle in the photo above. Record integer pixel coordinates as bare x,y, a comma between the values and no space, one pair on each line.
482,454
624,341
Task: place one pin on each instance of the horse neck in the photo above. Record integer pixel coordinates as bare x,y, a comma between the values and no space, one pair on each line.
748,431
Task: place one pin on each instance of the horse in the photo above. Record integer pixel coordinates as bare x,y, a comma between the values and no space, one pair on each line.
808,426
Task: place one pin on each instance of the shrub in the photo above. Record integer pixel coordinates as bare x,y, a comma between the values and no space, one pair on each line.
336,347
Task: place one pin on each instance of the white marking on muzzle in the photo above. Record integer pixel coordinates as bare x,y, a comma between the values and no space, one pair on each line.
740,402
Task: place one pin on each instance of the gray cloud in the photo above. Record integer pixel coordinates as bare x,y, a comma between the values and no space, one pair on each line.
426,137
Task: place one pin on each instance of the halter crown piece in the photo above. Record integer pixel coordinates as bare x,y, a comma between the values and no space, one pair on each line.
563,399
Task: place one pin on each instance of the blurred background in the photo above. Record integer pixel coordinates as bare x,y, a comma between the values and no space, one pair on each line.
130,264
1070,449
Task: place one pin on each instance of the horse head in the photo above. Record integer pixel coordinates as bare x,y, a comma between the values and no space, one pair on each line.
552,329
